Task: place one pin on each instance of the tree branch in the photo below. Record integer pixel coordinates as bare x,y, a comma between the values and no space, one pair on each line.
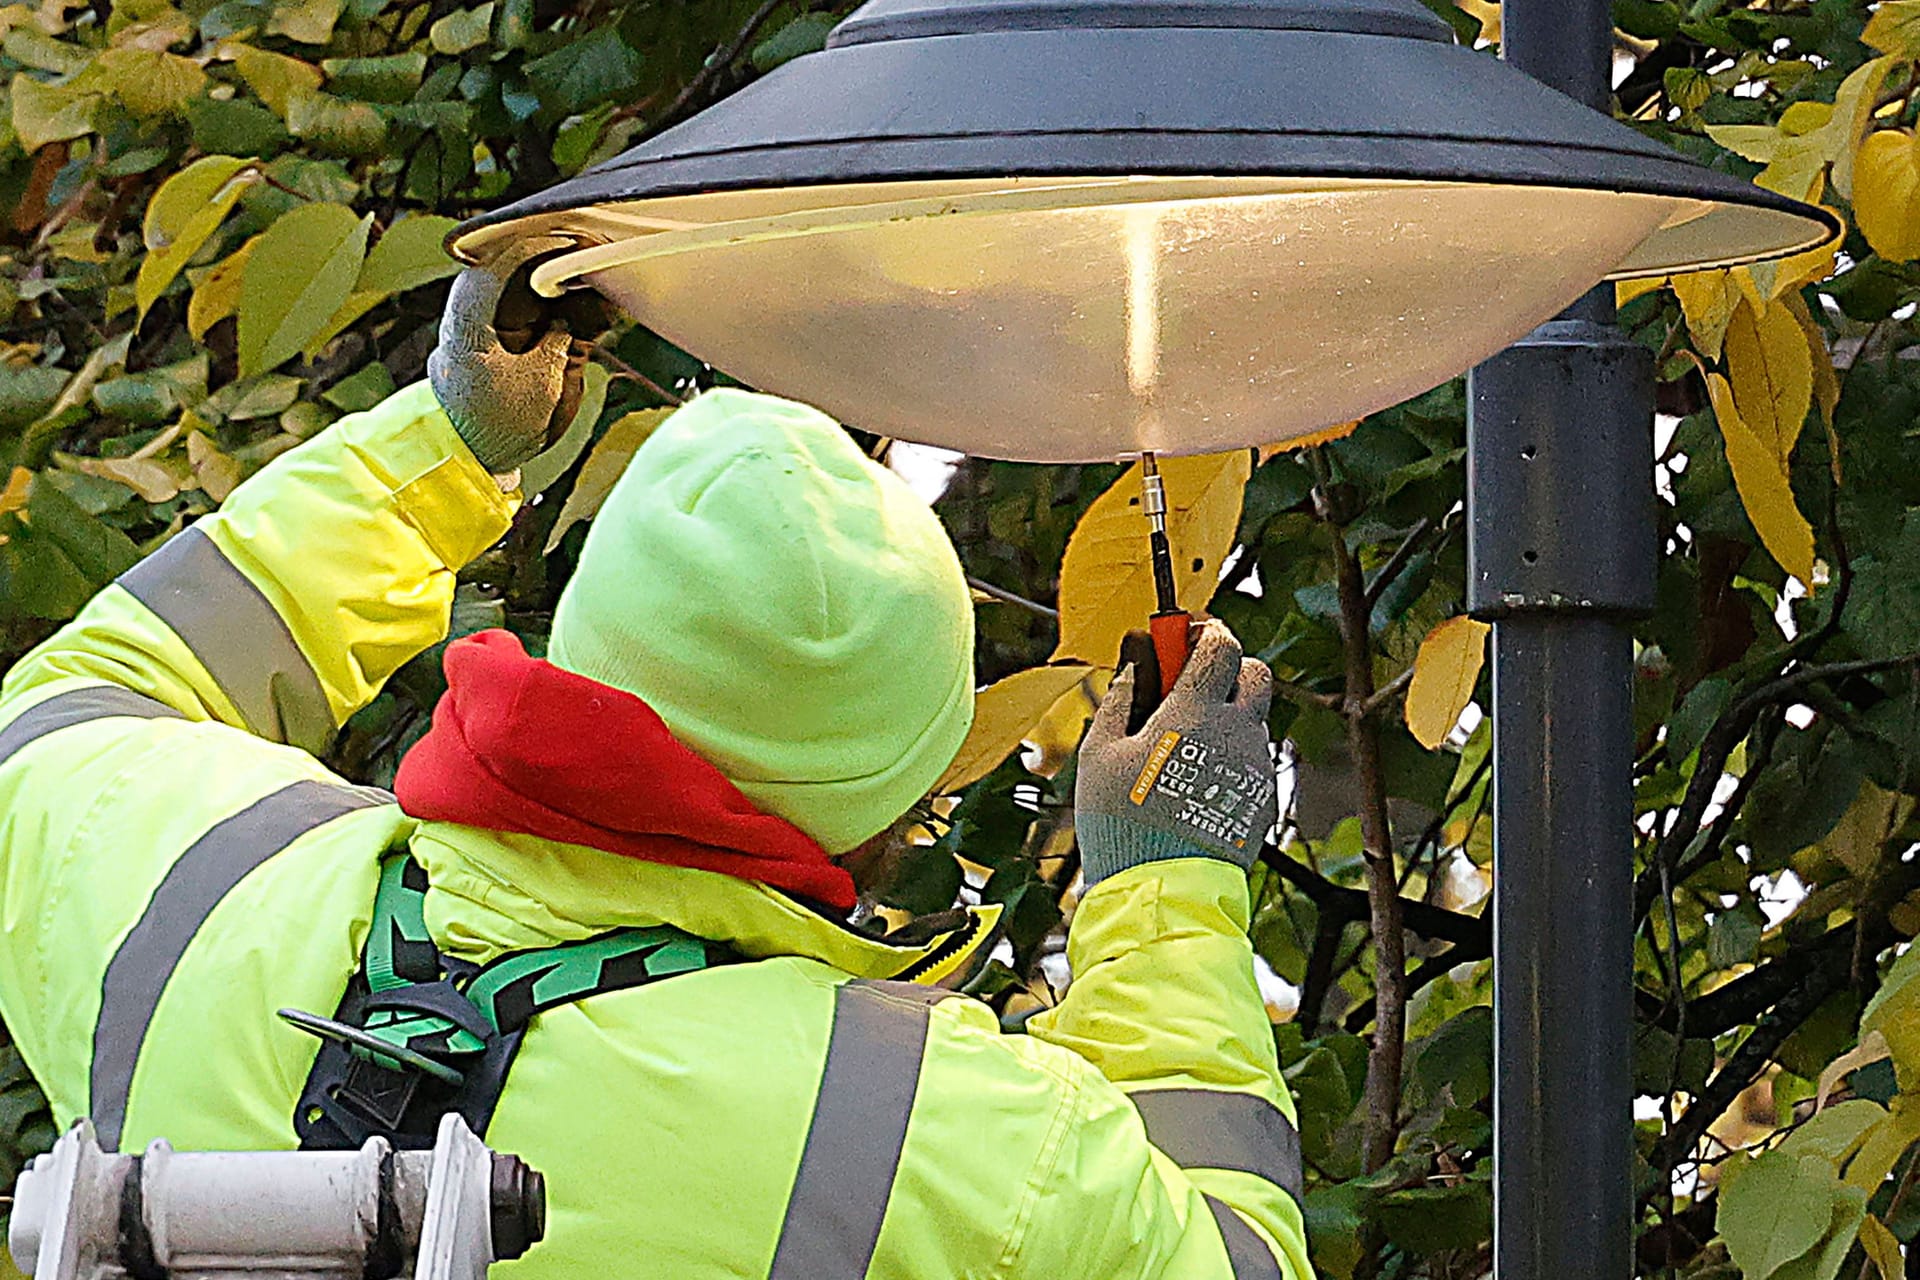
1005,596
1385,1060
1337,901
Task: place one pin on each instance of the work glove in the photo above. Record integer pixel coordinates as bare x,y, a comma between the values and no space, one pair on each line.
510,363
1197,780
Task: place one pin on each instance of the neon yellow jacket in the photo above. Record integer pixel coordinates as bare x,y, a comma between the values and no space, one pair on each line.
175,866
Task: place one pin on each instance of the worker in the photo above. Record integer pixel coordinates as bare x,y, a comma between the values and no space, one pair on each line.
608,917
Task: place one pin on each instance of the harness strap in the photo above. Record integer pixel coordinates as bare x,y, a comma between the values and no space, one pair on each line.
466,1020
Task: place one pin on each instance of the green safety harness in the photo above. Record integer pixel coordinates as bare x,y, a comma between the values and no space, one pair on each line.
418,1034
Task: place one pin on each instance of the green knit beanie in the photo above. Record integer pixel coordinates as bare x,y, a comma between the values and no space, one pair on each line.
792,610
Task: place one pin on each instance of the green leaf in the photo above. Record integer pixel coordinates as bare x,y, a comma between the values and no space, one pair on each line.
234,125
148,82
596,68
1837,1132
805,34
1429,1220
32,48
337,126
410,254
1691,723
44,113
299,274
247,398
1776,1210
27,391
1459,1057
305,21
1849,1207
1734,936
393,78
360,390
1335,1219
460,31
99,551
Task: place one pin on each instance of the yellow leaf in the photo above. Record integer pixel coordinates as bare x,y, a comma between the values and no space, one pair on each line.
1759,143
217,296
1894,28
1444,673
216,473
1777,279
274,77
19,487
1803,118
1106,579
1003,713
1894,1012
174,249
1886,193
1826,383
1307,441
1883,1247
151,478
1058,733
1852,108
1626,291
1771,368
1866,826
1885,1145
1764,487
605,465
1708,299
1871,1049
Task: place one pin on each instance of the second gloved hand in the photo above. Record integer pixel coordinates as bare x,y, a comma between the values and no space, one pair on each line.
1196,781
508,367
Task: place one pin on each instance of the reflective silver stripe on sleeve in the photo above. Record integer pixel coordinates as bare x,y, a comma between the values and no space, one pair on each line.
78,706
237,634
1248,1253
859,1127
192,888
1216,1129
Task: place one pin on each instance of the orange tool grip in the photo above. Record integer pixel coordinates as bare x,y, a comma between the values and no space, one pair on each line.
1170,645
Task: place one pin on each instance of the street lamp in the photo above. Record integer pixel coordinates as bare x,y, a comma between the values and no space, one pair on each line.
1061,230
1065,230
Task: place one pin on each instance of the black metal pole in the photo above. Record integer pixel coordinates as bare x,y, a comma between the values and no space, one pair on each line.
1561,555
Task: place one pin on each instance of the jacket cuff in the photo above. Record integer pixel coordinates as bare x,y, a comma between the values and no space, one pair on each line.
438,486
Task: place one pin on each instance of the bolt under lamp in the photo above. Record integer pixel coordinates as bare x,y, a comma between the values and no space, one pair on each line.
1060,230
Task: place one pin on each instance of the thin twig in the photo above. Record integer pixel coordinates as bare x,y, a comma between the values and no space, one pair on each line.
1005,596
1387,693
722,59
1301,696
1397,561
625,370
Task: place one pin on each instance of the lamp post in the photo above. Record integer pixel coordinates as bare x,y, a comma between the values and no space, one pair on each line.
1561,554
1066,230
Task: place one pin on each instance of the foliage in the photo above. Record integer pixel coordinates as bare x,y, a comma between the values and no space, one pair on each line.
223,229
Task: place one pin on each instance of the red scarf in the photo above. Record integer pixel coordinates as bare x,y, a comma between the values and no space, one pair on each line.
519,745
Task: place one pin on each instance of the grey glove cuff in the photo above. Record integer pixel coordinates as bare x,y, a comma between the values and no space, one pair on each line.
1110,845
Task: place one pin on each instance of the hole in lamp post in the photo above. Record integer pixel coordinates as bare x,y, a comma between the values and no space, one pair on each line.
1531,557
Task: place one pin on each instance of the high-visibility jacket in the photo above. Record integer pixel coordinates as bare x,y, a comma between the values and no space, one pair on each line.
175,866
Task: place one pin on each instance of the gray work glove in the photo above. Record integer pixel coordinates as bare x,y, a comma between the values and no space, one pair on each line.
1197,781
509,368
